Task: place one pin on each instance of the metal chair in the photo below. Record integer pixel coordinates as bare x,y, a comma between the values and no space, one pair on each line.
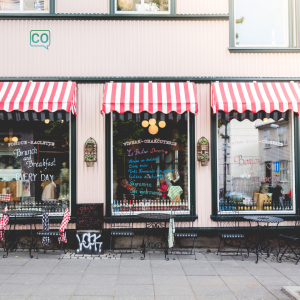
228,229
121,225
54,230
184,228
292,241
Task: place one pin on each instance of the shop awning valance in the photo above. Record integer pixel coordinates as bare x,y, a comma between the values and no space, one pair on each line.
38,96
255,97
151,97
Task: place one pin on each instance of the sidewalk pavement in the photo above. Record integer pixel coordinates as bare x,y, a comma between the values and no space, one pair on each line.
206,278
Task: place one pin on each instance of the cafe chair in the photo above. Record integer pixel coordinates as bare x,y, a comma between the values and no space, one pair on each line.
184,229
55,229
292,241
121,226
229,230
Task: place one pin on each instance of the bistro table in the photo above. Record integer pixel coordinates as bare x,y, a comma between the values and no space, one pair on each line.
155,221
263,233
30,216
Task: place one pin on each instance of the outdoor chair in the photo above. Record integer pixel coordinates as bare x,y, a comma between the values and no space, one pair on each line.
292,241
184,229
55,229
121,226
229,230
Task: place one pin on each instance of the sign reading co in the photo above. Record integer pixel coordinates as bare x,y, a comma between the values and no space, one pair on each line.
40,38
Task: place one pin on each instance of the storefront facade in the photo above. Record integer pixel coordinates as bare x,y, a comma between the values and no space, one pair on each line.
188,54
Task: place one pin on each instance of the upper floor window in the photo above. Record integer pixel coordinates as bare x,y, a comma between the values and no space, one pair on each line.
142,6
24,6
261,23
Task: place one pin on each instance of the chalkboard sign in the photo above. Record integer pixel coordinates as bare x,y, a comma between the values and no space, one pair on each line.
89,216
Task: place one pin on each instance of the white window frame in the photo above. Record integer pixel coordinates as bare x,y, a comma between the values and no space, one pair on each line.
112,171
262,45
143,12
267,138
264,212
22,11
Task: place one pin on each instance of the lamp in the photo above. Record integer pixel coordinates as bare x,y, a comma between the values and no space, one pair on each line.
6,139
162,124
153,129
265,119
152,122
47,121
145,123
14,139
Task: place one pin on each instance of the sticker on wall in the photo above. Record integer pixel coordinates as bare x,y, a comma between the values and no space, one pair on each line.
40,38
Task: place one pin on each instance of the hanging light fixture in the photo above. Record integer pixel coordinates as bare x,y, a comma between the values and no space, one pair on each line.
265,119
153,129
162,124
6,139
145,123
14,139
152,122
47,121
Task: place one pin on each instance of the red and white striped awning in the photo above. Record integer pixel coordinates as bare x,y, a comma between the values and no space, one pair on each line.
151,97
38,96
253,96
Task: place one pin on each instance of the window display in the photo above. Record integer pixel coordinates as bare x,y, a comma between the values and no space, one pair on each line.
34,160
142,6
150,162
255,163
24,6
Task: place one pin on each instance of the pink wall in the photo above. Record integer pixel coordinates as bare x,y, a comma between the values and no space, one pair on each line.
202,7
82,6
90,123
134,49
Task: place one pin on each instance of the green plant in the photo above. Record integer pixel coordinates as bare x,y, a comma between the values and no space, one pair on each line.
203,157
203,141
90,157
90,142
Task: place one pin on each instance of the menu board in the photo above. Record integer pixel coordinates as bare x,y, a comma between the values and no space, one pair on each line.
89,216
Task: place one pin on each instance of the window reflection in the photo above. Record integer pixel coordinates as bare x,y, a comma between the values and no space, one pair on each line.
256,166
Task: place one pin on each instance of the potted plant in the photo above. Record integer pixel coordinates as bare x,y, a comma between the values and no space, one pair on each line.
204,159
203,144
89,145
90,158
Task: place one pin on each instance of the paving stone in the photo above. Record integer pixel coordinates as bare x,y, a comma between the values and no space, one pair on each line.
165,297
26,279
140,290
92,298
209,291
170,279
63,279
99,270
173,290
54,289
48,297
263,271
134,279
295,279
277,292
203,281
9,269
134,270
95,290
274,280
16,289
232,271
99,279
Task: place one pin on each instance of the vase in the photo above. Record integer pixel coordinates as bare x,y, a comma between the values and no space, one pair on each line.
89,148
204,162
89,164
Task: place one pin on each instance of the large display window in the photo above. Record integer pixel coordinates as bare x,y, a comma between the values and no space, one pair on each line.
150,162
34,160
256,162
